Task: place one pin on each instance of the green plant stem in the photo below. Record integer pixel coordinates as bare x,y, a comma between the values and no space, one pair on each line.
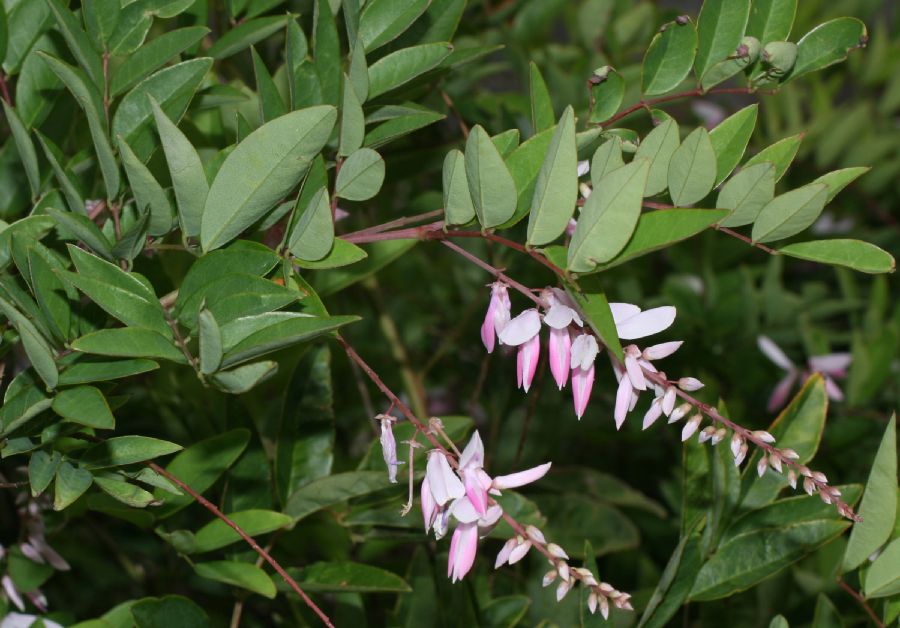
247,538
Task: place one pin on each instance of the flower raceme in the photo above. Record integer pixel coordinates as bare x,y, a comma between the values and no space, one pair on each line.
463,494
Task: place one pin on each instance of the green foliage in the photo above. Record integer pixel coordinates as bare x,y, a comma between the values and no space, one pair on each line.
197,199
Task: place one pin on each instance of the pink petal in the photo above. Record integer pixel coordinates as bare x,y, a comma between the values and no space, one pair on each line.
489,520
582,383
487,328
521,478
646,323
635,373
521,329
623,398
560,348
503,556
530,352
473,454
519,369
668,402
660,351
833,391
834,364
782,390
774,353
584,351
429,507
652,414
475,492
462,551
519,552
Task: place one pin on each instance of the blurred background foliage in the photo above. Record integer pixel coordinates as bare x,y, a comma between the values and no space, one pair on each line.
624,491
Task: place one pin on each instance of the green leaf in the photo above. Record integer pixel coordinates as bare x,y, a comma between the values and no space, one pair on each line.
243,575
396,128
172,87
271,104
217,534
658,147
675,583
382,21
153,55
125,450
210,342
827,44
720,28
491,185
125,492
171,611
85,372
771,20
84,229
879,504
19,408
119,293
607,91
84,405
65,179
51,294
71,483
284,333
313,236
353,123
757,553
241,257
4,33
744,55
524,164
332,490
25,148
380,254
359,71
342,253
781,154
669,57
746,193
188,178
134,24
609,217
78,42
730,138
326,51
129,342
402,66
36,347
237,295
692,168
883,577
148,193
346,576
241,379
100,19
88,98
662,228
296,49
245,35
595,308
576,515
200,465
606,158
839,179
458,207
855,254
42,468
798,427
542,116
263,168
556,189
790,213
361,176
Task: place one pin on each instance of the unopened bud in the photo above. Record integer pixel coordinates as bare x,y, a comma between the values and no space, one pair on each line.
690,384
691,426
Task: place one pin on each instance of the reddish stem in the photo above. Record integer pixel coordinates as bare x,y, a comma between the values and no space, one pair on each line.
4,90
646,104
862,601
249,539
495,272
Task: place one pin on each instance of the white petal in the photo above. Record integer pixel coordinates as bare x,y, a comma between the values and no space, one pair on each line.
660,351
623,398
473,455
832,363
559,316
584,166
584,352
621,311
521,329
519,552
653,414
463,511
774,353
646,323
635,373
514,480
444,484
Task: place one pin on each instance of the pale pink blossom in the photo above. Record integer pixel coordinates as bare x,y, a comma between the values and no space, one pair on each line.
389,446
526,362
582,383
632,323
584,351
522,332
561,310
21,620
497,315
832,366
560,349
463,545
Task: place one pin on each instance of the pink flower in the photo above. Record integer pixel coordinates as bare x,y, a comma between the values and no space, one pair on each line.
497,315
832,366
463,546
582,383
560,354
522,332
389,446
